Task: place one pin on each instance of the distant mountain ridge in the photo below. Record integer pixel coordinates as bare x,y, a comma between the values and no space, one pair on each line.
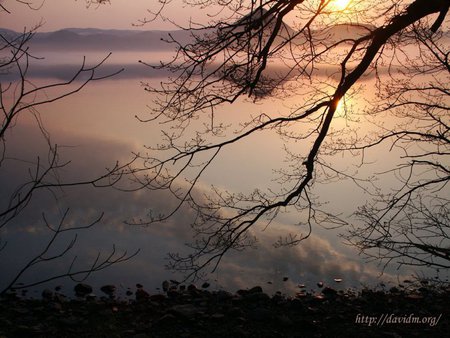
98,39
104,39
89,39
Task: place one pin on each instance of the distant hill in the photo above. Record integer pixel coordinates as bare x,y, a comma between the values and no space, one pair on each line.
92,39
88,39
122,40
345,31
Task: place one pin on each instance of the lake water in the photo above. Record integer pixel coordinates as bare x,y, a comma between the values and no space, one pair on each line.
96,127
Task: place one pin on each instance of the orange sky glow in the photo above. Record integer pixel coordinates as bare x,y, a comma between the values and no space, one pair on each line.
117,15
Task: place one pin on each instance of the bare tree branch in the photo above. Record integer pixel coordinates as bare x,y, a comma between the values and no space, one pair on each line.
231,59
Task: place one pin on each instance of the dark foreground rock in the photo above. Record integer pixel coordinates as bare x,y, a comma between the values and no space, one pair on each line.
194,312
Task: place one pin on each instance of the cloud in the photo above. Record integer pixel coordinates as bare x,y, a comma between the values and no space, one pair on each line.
311,261
314,260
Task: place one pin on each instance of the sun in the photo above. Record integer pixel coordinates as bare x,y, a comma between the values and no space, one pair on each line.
341,4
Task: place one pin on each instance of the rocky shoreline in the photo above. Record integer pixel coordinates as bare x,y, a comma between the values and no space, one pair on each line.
180,311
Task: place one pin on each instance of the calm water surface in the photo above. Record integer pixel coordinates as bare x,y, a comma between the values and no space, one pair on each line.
96,127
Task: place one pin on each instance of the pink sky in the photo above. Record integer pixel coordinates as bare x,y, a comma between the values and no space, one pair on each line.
120,14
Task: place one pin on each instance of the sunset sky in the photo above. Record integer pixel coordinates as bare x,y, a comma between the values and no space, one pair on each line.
120,14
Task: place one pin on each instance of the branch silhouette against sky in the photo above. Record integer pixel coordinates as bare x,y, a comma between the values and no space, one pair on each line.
232,59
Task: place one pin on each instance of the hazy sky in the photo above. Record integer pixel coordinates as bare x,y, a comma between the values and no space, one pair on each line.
120,14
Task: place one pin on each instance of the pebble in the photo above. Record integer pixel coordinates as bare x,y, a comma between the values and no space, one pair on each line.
244,313
109,290
141,295
47,294
82,290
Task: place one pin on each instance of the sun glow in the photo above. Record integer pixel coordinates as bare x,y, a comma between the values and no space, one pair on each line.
341,4
341,109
